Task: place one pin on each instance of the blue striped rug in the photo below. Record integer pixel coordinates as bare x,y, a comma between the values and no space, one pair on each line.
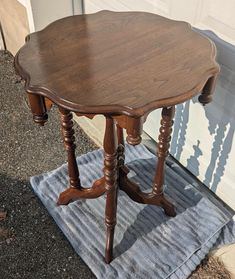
148,244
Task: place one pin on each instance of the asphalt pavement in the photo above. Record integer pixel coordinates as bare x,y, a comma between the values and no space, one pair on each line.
31,244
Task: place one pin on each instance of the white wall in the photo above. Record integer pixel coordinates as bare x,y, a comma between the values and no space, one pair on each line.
92,6
42,12
45,12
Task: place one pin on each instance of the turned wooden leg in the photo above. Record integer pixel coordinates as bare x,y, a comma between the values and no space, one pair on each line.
68,137
162,152
110,177
207,91
38,108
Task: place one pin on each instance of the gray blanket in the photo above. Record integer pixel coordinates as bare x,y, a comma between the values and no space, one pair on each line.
148,244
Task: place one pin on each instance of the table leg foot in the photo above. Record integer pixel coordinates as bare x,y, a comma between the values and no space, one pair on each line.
72,194
134,192
65,197
168,207
109,245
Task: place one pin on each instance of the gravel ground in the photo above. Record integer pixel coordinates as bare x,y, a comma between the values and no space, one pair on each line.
31,245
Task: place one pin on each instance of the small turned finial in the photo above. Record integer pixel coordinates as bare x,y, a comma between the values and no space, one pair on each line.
133,139
40,119
207,91
134,130
38,108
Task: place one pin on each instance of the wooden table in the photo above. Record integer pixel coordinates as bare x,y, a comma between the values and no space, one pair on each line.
123,66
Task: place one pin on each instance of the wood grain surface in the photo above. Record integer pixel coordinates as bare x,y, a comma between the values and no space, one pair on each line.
116,62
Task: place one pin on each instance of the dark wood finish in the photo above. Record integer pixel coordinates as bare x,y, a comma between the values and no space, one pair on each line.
162,152
73,194
134,130
121,65
48,104
66,118
156,197
208,90
133,126
75,190
38,108
134,192
163,147
116,63
110,176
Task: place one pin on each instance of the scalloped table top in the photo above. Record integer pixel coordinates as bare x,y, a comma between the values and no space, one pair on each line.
116,62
